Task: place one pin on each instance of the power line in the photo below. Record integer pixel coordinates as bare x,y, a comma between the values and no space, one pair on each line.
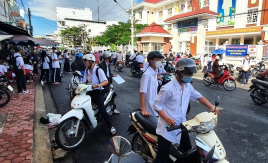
42,21
99,7
11,18
23,6
111,9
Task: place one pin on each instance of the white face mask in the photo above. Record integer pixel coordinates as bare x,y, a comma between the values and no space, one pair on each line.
247,57
158,64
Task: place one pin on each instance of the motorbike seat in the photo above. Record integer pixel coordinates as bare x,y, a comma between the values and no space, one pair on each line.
148,123
260,82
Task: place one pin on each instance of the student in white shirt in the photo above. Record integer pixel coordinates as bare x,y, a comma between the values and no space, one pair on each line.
55,67
148,84
3,69
91,78
171,104
44,66
66,57
139,60
119,58
246,70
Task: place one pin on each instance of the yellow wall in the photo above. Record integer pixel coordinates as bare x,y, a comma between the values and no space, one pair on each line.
153,39
151,18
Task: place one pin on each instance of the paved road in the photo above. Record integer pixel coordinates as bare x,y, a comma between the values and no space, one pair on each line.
242,126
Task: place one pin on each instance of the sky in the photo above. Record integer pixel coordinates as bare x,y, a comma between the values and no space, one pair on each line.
44,12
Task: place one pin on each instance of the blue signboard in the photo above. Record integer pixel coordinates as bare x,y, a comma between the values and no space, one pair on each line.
236,50
188,23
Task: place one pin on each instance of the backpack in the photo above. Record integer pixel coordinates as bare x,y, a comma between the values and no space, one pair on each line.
106,87
13,63
245,60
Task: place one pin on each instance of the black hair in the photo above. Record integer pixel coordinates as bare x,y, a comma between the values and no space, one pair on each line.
43,55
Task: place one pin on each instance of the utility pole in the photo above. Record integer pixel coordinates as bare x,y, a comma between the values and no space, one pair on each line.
132,28
30,22
98,11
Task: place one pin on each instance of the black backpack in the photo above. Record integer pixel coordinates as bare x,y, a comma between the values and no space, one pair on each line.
106,87
13,63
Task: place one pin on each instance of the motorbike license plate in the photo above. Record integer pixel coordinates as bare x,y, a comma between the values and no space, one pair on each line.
10,88
142,69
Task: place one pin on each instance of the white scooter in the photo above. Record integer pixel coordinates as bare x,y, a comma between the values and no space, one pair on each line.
75,81
73,126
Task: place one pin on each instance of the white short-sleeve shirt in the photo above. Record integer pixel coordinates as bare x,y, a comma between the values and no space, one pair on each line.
45,63
119,57
3,69
174,102
92,79
28,67
139,58
148,86
55,64
19,60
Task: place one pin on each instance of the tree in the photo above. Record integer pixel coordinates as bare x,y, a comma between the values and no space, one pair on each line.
119,34
73,35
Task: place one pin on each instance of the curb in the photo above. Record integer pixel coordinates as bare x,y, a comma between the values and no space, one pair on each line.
41,142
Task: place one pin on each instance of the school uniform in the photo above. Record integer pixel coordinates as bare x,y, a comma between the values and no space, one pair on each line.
66,63
55,68
173,100
21,80
45,69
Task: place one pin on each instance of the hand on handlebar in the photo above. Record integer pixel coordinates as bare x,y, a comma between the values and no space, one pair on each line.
171,122
217,111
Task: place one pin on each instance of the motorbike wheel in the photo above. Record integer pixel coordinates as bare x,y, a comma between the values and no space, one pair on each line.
229,85
256,92
139,146
4,97
206,79
65,134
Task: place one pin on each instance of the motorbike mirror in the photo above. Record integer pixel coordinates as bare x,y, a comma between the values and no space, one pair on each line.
209,155
217,102
119,146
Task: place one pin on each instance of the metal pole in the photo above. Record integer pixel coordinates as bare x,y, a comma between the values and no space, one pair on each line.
132,27
98,11
30,22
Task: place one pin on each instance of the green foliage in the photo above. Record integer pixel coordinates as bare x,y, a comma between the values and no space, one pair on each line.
119,34
73,36
113,47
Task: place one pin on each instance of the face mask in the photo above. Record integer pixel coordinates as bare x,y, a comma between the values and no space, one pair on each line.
247,57
157,64
187,79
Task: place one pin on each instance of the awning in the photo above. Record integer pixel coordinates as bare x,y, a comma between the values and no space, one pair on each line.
4,37
23,38
10,29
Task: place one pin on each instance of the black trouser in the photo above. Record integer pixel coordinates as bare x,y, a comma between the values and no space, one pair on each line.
56,75
66,67
21,81
43,72
35,69
245,76
97,97
164,147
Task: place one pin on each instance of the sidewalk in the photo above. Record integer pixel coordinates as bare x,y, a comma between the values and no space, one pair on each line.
20,140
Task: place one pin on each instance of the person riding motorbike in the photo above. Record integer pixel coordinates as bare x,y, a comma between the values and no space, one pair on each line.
97,82
139,60
78,64
216,69
171,104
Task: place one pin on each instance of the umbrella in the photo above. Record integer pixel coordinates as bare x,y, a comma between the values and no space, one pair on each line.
218,51
4,37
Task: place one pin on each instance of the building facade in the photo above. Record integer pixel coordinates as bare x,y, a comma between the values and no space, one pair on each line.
200,26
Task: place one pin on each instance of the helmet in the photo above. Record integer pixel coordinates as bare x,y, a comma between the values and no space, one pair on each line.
106,55
217,58
154,54
79,55
186,64
17,48
89,57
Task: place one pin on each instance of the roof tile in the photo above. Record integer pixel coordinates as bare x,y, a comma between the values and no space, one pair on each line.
153,1
154,28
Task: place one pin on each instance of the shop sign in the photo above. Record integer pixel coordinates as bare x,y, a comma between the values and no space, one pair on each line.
15,11
252,50
226,11
191,29
232,31
188,23
236,50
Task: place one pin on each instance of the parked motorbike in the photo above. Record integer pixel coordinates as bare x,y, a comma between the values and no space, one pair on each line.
166,79
230,68
208,146
139,71
169,66
257,68
84,116
225,80
121,151
5,91
119,66
197,63
75,81
259,91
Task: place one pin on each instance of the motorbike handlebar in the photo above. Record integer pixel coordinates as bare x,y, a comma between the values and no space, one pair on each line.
171,128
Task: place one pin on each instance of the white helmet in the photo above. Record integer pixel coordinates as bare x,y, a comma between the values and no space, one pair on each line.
186,64
89,57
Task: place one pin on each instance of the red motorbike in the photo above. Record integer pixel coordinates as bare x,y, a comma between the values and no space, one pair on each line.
226,80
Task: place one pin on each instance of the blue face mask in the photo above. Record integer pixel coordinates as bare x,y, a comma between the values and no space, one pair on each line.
187,79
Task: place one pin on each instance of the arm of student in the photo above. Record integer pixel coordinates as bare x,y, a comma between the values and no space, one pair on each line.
142,103
206,103
143,89
23,69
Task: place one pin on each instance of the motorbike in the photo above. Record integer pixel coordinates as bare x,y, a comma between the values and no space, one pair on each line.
230,68
208,146
76,79
169,66
5,91
166,79
259,91
257,68
84,116
119,66
197,63
225,80
121,151
139,71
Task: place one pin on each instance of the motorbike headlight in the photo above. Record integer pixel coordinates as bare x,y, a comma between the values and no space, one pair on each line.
206,126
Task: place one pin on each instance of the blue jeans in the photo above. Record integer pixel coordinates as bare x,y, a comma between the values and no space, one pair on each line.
245,76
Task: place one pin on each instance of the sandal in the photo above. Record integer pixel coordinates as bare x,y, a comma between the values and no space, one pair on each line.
113,131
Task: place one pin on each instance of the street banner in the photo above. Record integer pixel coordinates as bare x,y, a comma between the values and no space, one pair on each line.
236,50
252,50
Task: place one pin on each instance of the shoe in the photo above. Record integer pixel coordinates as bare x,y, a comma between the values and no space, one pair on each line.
246,85
242,84
20,93
115,111
113,131
25,92
42,83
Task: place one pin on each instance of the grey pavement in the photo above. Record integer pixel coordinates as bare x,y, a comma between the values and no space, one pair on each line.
241,125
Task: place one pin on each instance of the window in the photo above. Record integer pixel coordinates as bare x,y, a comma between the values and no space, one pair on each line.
180,8
140,15
145,47
252,15
160,15
169,12
188,46
169,28
206,3
206,24
158,46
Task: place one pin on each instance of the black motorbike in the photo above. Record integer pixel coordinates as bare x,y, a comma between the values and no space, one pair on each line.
5,91
259,91
137,72
257,68
168,66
